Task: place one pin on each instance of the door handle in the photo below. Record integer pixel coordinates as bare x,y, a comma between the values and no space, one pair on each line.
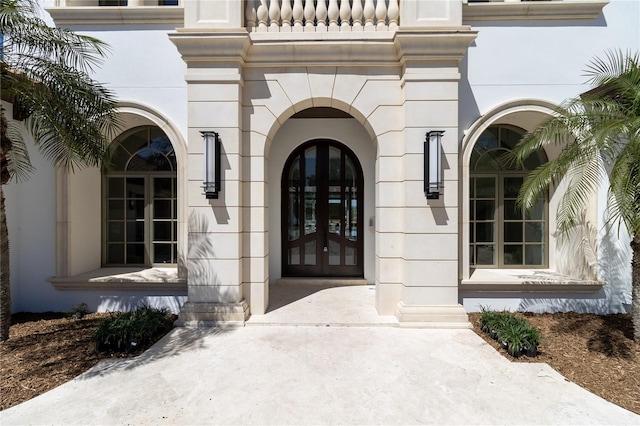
325,249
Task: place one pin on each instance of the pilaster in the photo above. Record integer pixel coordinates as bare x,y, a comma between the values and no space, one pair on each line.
215,265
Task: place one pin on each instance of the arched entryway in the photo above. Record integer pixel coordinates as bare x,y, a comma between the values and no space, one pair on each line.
322,211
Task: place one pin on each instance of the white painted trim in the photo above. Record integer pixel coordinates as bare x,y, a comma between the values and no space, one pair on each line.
496,10
113,15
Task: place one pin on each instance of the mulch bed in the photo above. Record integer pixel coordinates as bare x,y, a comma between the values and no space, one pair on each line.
596,352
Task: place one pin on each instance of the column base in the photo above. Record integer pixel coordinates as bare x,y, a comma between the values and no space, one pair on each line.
437,316
213,314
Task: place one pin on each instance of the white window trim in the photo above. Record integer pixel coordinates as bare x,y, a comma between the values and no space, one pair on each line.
506,280
527,281
117,15
133,279
510,10
70,277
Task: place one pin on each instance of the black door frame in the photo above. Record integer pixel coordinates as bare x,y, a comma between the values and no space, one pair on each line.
321,235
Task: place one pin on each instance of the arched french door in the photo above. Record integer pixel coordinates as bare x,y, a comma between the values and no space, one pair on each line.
322,211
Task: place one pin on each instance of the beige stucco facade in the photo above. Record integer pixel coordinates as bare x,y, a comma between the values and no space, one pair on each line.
395,86
272,77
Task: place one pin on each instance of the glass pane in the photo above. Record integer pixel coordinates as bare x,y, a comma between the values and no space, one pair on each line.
310,253
159,141
509,137
537,213
534,160
119,159
472,210
484,232
115,209
135,231
115,253
162,253
135,253
115,232
513,232
534,255
484,255
512,186
148,160
162,209
534,232
162,231
162,187
489,161
350,256
334,253
511,212
310,193
485,210
351,200
293,218
485,187
136,140
294,256
135,188
115,188
135,209
512,255
334,193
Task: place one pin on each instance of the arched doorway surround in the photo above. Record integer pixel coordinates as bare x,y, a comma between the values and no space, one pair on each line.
322,201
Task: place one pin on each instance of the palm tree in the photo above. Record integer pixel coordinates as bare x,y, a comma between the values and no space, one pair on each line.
600,136
45,74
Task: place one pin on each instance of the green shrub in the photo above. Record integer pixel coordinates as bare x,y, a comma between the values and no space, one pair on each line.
78,311
515,334
129,331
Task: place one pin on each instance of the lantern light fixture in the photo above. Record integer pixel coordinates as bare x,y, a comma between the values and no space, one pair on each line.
211,182
433,184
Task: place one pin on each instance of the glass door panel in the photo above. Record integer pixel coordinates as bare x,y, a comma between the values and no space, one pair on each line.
321,187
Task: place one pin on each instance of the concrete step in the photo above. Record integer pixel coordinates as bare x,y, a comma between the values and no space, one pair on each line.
322,281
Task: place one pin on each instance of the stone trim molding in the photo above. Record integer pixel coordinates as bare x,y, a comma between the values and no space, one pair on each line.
500,10
129,279
115,15
527,281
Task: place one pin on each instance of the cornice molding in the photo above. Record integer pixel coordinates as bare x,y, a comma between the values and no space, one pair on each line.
126,15
553,10
322,49
212,46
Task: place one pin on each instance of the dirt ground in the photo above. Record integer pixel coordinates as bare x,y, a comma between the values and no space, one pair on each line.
596,352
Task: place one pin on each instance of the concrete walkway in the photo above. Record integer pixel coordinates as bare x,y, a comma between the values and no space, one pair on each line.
318,374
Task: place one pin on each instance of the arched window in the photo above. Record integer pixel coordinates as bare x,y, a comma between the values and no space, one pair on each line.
140,202
503,236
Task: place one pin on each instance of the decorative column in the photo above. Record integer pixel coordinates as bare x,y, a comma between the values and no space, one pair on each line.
430,237
215,245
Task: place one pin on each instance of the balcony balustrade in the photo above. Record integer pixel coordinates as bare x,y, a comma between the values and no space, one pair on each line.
321,15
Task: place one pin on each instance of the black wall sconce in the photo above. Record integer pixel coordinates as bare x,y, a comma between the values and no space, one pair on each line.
211,183
433,164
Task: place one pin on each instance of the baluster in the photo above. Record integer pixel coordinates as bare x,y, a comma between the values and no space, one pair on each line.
369,13
309,15
345,15
381,15
356,14
394,14
274,15
334,14
286,12
321,15
250,14
263,15
297,15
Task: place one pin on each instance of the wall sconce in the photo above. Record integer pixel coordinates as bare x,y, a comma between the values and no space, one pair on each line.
433,164
211,182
